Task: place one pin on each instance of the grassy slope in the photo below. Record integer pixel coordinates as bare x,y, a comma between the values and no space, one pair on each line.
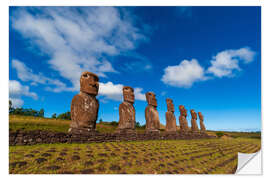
213,156
28,123
150,157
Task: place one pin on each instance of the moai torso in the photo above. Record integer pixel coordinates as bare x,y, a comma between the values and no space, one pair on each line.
202,126
170,118
194,126
84,111
84,106
127,111
151,113
182,119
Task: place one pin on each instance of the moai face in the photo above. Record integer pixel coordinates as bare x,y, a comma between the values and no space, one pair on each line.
170,106
128,94
151,99
89,83
200,116
193,114
183,111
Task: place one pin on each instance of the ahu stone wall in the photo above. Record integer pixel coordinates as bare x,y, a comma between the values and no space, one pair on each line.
45,137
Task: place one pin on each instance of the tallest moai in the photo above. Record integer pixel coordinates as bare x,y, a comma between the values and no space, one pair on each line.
84,106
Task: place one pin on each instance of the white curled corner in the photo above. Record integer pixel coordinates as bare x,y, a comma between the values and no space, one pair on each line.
249,163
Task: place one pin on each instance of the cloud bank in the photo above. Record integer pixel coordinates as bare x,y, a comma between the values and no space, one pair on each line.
26,74
77,39
115,92
108,90
224,64
16,91
184,74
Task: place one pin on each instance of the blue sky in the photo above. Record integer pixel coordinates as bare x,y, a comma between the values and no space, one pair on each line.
206,58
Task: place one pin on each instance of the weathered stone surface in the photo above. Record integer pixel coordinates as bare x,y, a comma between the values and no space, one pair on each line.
115,167
84,106
60,159
89,163
170,117
40,160
19,164
46,154
50,137
53,168
127,112
202,126
194,126
182,119
151,113
75,157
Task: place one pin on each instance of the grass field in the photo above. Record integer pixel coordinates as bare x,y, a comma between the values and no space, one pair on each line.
214,156
204,156
28,123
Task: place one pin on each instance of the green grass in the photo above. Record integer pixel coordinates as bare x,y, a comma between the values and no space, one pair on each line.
147,157
255,135
29,123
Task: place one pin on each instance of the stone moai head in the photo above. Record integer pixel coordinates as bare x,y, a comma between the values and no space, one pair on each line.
170,106
89,83
200,116
151,98
183,111
128,94
193,114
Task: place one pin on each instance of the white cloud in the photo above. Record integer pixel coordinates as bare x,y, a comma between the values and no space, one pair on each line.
222,65
108,90
184,74
77,39
16,102
226,62
115,91
139,95
111,91
26,74
16,91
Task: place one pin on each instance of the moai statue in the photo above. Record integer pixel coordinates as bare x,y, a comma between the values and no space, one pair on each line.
84,106
170,118
194,126
183,119
127,111
202,126
151,113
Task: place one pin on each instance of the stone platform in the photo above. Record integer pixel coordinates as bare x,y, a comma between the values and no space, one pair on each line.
45,137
